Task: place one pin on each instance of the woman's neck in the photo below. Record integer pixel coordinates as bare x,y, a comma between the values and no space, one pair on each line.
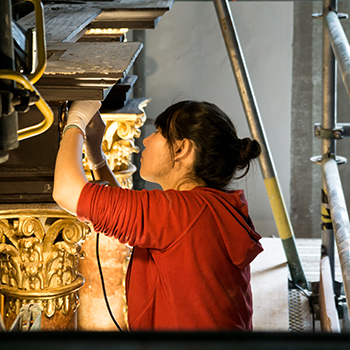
184,185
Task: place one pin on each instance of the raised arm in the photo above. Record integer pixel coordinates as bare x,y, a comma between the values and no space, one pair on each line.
84,120
69,173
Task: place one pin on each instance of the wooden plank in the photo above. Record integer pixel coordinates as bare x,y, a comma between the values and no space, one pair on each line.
134,5
87,70
62,23
127,19
71,93
92,60
328,312
132,14
270,288
141,23
77,70
67,22
310,255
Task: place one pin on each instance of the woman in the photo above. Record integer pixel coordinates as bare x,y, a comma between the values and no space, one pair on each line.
193,241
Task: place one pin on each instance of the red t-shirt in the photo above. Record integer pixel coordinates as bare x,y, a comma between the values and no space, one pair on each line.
192,250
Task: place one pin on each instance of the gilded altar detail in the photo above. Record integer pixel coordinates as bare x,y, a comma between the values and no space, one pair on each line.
39,254
41,246
122,127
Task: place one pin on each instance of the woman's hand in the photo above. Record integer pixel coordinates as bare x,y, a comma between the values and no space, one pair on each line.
69,173
95,155
80,114
93,142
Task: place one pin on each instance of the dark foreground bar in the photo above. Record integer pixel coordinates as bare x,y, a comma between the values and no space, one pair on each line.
172,341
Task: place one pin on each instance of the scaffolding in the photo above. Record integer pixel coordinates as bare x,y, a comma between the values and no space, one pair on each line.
335,49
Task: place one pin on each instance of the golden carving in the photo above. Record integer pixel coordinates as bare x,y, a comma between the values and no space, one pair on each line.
39,259
122,127
40,248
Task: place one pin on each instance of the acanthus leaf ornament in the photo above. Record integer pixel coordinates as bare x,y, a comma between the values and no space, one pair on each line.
39,257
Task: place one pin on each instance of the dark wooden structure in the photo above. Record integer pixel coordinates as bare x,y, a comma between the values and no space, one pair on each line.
87,58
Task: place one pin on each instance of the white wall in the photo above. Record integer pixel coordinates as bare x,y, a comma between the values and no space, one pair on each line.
186,59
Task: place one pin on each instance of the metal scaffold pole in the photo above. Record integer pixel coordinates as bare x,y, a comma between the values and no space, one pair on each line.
341,221
8,118
257,131
329,119
335,49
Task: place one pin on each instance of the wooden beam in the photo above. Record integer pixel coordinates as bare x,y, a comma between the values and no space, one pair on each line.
127,19
134,5
63,23
328,312
92,60
85,70
108,61
72,93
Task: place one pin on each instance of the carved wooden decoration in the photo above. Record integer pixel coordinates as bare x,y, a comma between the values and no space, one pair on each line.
39,257
123,126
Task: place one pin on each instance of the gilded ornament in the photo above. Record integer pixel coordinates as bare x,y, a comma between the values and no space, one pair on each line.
122,127
39,257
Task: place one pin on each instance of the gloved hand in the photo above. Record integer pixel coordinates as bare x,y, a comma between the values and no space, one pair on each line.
93,143
81,112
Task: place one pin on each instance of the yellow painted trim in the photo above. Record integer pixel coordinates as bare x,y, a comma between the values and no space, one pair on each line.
41,42
41,104
325,211
278,208
326,215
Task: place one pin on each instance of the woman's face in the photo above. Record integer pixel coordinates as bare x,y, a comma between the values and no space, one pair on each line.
156,160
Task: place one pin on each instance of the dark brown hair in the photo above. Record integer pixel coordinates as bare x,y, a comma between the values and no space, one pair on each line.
220,154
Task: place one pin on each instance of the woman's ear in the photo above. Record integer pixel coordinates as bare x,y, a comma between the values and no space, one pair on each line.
183,149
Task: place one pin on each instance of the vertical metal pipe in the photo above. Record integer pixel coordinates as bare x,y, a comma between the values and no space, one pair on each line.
329,79
329,120
8,122
257,131
340,218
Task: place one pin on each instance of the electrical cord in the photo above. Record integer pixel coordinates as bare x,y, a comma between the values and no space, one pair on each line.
101,275
103,284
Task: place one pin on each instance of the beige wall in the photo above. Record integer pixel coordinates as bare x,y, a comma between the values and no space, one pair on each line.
186,59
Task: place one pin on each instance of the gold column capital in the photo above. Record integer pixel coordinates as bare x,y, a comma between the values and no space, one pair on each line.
39,254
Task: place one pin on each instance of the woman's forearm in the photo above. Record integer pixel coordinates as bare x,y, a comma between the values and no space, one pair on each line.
106,174
69,173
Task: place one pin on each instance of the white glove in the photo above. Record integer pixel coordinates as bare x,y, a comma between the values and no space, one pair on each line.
81,112
93,143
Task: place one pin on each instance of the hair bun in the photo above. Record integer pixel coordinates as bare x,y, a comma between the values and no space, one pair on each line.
249,149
